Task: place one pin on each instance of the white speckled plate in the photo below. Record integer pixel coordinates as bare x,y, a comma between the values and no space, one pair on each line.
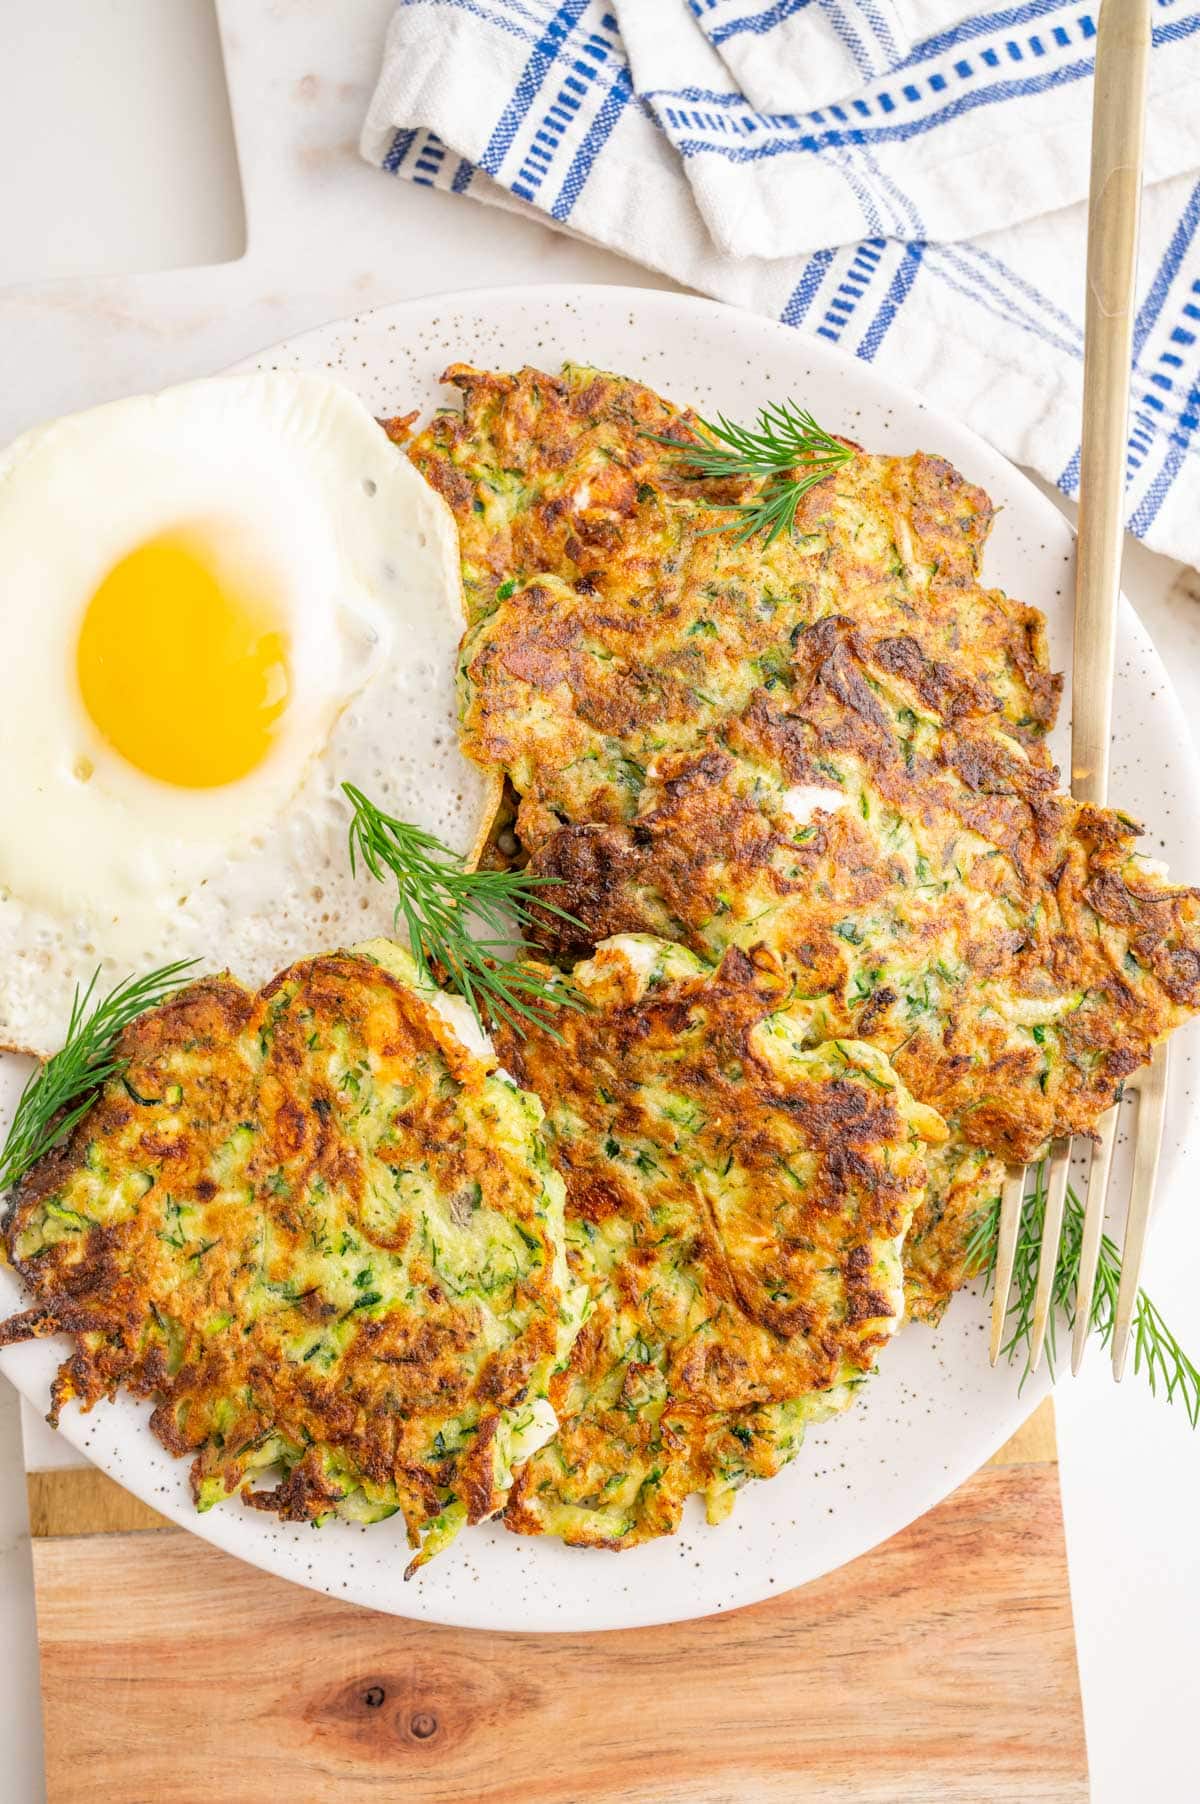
936,1411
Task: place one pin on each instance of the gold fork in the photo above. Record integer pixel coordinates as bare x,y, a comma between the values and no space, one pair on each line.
1118,122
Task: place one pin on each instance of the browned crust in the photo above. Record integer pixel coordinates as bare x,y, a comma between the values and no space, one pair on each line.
963,1185
1061,920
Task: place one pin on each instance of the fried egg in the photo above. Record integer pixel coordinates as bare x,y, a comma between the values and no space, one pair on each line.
218,604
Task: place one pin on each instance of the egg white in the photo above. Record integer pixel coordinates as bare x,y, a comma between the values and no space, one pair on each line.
292,476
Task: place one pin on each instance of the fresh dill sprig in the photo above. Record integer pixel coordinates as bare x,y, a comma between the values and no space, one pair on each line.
785,448
60,1092
1154,1346
436,898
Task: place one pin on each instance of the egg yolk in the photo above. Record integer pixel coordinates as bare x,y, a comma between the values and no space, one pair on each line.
184,673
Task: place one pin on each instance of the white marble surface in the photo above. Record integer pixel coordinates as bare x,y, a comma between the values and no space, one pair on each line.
325,236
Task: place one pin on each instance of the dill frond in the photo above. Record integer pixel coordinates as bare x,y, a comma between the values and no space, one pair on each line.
785,450
436,899
1156,1351
59,1093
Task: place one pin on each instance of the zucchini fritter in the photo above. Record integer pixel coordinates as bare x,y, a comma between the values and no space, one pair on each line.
962,1183
736,1204
942,899
323,1236
610,623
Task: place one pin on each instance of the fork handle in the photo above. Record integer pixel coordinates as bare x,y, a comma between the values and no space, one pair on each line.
1118,124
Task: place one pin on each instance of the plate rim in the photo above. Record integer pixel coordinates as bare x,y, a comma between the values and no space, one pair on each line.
223,1528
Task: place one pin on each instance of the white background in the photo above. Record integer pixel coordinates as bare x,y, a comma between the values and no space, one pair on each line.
115,138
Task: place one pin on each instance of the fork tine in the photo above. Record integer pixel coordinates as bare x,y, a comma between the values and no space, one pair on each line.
1093,1228
1012,1199
1152,1096
1056,1196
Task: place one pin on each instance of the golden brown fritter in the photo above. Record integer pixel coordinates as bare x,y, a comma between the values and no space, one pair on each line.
610,623
962,1186
322,1235
736,1204
940,898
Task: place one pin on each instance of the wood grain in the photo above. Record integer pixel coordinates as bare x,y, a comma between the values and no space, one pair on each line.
82,1500
938,1669
1034,1442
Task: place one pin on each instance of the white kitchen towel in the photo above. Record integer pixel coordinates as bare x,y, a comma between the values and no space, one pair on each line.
984,123
786,55
532,104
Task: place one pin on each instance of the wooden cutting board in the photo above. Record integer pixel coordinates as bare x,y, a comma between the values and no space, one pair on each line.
938,1669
